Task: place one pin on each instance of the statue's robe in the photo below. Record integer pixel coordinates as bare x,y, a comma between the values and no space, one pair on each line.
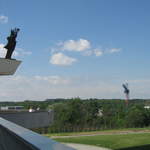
10,46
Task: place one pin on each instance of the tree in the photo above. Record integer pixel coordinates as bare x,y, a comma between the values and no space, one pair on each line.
136,117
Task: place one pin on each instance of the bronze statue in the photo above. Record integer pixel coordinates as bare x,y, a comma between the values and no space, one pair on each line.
11,42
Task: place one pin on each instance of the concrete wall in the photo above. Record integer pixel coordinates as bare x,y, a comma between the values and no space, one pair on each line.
15,137
29,120
8,141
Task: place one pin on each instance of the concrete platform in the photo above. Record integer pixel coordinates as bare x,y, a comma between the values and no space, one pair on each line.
8,66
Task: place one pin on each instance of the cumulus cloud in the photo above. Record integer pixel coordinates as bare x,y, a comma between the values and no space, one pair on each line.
98,52
16,53
62,60
83,47
114,50
3,19
78,45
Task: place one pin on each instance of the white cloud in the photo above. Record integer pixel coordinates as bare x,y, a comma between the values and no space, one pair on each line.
41,87
62,60
34,87
98,52
114,50
54,80
88,53
72,45
82,46
3,19
22,52
2,50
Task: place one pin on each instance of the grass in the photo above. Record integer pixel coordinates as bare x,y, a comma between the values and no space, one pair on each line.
116,142
112,139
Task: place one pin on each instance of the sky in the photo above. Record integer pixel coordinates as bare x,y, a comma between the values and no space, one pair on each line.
77,48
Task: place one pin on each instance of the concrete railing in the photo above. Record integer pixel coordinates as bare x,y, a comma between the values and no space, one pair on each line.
15,137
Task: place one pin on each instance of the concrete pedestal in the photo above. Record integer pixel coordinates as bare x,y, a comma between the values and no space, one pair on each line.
8,66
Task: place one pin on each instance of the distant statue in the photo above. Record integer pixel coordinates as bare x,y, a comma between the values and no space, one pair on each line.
11,43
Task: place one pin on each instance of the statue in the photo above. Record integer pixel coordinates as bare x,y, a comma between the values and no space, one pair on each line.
11,43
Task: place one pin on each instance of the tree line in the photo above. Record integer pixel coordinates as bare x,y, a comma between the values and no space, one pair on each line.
87,115
91,114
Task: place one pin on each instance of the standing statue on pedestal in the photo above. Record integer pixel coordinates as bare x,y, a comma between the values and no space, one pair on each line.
10,46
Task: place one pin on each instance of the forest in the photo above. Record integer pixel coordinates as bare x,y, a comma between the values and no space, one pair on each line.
91,114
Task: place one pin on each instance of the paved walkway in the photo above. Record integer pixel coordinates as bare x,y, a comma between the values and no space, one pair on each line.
84,147
103,133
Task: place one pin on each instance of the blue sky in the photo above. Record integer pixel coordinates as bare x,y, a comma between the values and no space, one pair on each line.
71,48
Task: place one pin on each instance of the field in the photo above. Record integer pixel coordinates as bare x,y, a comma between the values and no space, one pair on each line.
131,139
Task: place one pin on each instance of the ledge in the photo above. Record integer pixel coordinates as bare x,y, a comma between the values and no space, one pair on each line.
13,136
8,66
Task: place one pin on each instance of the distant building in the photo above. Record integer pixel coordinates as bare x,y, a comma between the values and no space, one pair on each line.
7,108
147,107
31,110
100,113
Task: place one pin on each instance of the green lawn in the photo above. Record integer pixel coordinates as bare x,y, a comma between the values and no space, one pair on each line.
136,141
